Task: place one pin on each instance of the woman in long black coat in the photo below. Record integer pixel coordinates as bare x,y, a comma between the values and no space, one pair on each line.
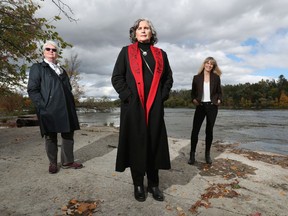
143,79
50,91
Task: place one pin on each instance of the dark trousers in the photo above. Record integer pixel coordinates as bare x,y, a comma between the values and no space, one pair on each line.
203,110
51,144
151,172
152,177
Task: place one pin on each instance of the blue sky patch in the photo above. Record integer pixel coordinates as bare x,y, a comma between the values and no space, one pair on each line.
234,58
253,43
250,42
273,72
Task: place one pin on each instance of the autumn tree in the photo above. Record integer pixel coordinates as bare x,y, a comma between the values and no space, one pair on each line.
283,100
20,35
72,68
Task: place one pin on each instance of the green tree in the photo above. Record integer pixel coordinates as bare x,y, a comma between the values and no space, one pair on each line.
20,35
282,85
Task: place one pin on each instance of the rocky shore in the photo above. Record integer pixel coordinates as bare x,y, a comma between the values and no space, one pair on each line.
239,182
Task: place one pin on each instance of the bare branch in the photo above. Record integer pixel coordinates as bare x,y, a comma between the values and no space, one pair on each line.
62,7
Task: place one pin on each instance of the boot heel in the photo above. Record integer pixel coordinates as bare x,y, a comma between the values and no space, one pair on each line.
208,158
191,160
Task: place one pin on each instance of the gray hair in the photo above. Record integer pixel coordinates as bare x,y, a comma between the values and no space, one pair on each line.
49,42
133,29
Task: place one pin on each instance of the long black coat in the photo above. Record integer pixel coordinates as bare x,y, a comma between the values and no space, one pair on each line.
142,139
52,96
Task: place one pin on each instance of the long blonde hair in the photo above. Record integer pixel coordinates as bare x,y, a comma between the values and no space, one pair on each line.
215,68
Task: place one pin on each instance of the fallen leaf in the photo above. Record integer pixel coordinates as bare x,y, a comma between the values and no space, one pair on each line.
83,207
80,208
64,208
215,191
73,201
168,207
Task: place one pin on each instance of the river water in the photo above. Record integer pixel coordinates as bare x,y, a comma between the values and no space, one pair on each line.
261,130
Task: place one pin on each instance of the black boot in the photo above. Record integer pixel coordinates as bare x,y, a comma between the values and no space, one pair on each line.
157,194
139,193
208,158
191,160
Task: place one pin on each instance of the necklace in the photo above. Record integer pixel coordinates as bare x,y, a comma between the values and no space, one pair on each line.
144,53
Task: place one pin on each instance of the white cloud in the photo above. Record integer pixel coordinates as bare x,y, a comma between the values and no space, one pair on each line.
188,31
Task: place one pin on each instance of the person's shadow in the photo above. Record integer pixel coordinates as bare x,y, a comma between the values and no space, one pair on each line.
98,148
181,173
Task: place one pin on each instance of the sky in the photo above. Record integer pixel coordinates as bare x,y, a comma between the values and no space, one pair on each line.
248,39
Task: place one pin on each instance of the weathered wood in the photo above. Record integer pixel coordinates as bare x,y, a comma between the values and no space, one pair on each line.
27,121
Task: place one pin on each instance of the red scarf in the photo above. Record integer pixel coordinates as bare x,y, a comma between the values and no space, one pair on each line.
136,68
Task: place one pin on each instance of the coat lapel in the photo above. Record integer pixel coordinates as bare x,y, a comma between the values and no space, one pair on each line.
212,81
137,71
136,68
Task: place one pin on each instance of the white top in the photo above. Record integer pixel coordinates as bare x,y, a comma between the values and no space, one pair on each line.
55,67
206,92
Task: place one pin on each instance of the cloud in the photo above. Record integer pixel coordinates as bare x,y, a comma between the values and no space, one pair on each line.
247,38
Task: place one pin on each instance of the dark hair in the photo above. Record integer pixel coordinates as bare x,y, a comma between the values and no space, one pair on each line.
132,31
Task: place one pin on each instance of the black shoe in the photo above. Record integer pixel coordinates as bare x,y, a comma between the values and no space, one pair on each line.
191,160
157,194
208,158
139,193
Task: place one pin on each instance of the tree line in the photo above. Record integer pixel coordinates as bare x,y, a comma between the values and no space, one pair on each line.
269,94
266,94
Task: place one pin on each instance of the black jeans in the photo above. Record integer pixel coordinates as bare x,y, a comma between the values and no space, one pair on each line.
203,110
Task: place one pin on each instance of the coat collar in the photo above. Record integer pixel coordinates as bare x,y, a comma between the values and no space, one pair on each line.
44,64
135,61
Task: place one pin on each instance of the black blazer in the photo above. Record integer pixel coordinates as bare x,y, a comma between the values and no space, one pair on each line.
215,88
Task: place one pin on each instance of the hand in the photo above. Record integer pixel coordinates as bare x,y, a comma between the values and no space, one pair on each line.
128,99
195,102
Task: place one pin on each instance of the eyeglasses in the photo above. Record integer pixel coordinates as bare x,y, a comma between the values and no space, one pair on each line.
48,49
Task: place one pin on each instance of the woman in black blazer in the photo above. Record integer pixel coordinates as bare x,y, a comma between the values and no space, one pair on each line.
206,96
